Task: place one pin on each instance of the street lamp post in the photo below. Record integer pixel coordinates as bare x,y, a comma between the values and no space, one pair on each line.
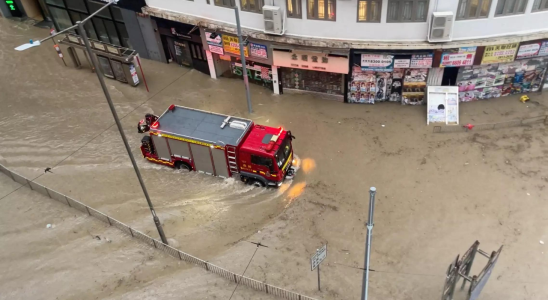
242,58
365,283
80,26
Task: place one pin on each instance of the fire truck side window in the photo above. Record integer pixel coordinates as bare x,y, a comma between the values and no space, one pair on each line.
261,161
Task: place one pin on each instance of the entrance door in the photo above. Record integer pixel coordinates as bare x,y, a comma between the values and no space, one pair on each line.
180,52
199,58
450,76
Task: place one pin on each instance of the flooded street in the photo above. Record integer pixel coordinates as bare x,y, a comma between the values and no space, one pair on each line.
437,193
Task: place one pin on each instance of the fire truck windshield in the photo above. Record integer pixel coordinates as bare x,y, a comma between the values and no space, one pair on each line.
283,152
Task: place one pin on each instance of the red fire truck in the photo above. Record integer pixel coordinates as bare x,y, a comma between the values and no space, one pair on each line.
218,145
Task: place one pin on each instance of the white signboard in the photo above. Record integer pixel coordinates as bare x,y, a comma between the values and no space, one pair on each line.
443,105
402,63
528,50
377,62
318,257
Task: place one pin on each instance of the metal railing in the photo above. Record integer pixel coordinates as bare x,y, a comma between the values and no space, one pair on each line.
491,126
228,275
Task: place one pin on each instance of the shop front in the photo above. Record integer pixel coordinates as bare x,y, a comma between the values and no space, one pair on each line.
507,69
393,77
182,44
312,70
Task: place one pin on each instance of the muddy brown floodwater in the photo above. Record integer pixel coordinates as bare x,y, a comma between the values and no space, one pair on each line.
437,193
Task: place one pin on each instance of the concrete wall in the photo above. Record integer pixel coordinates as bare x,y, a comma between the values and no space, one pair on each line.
346,26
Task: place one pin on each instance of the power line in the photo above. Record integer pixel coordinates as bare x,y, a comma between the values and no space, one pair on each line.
238,283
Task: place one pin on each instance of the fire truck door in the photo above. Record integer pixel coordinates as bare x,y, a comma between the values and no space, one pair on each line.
202,158
161,147
219,159
179,148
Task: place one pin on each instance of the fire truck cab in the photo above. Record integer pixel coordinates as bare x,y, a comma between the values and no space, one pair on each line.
218,145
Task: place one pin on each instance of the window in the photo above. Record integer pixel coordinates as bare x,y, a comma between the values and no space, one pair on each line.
78,5
473,9
510,7
369,10
294,8
407,10
60,17
117,13
321,9
225,3
56,2
540,5
255,6
94,6
261,161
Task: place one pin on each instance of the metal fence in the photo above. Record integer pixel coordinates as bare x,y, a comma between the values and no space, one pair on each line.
249,282
491,126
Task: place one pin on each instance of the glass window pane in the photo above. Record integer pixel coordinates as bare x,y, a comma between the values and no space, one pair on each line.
117,13
406,10
331,9
509,8
521,6
311,9
289,4
461,12
101,30
375,11
94,6
485,5
545,4
473,8
56,2
421,11
297,5
112,34
536,5
500,7
393,11
362,10
123,35
77,5
321,9
60,17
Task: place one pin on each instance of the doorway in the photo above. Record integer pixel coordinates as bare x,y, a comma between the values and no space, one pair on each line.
450,76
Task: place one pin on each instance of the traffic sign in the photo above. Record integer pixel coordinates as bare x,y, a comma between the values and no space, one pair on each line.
318,257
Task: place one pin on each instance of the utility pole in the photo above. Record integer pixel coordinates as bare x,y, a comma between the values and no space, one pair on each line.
242,58
365,284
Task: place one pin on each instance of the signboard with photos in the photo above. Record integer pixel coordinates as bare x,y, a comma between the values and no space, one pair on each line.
443,105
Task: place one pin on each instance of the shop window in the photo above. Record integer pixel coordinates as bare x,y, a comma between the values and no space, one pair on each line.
294,9
60,17
369,10
123,35
540,5
510,7
473,9
321,10
95,6
255,6
112,34
407,11
117,13
225,3
56,2
78,5
90,31
101,30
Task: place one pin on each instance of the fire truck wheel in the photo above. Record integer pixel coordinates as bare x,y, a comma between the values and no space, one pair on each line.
258,183
183,166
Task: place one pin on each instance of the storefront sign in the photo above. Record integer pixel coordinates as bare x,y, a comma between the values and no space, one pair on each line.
422,60
543,50
231,44
402,63
458,57
309,60
14,10
215,45
499,53
258,74
530,50
377,62
258,50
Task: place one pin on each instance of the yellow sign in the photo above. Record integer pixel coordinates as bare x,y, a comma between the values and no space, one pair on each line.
231,44
499,53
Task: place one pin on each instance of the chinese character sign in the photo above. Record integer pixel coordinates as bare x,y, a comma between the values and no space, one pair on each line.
529,50
422,60
231,44
499,53
377,62
543,49
215,45
258,50
459,57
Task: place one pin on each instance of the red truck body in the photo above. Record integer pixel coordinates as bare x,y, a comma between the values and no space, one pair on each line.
218,145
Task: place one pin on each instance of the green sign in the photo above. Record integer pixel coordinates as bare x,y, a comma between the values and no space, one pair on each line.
14,10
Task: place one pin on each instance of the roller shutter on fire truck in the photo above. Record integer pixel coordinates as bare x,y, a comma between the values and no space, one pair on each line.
202,158
161,147
219,159
179,148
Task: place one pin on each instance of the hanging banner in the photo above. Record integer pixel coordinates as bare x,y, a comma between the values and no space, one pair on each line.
231,44
422,60
258,50
377,62
499,53
543,49
458,57
215,45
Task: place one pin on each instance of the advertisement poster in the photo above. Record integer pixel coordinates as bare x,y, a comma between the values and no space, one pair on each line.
258,50
414,86
422,60
499,53
377,62
382,83
402,63
458,57
215,45
543,49
257,74
530,50
231,44
363,87
397,86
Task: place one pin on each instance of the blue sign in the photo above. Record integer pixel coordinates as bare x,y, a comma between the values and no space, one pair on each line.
258,50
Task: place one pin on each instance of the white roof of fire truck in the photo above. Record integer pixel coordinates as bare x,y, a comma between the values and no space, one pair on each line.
202,125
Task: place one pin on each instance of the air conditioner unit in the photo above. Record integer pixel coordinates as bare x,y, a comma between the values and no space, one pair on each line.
441,27
273,19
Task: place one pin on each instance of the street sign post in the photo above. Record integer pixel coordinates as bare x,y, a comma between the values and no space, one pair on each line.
317,259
